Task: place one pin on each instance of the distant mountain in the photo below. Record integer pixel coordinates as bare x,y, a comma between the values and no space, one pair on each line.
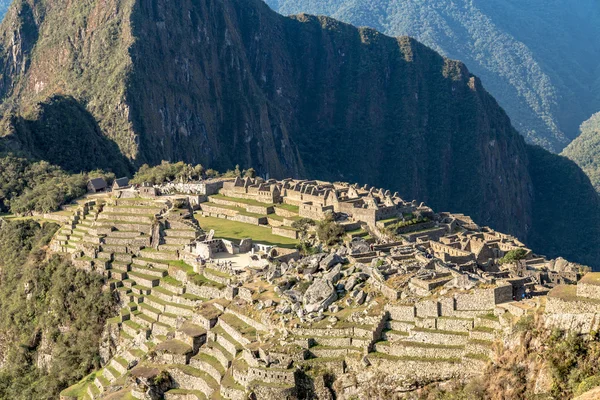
585,150
539,58
4,4
226,82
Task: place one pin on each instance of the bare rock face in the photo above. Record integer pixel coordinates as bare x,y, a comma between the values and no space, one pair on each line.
320,295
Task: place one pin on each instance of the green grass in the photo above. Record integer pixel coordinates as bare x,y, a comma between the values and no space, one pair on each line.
569,293
79,389
592,278
240,211
289,207
249,202
201,280
232,230
217,273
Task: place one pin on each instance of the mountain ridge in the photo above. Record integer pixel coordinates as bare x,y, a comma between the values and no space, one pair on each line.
507,44
302,96
585,150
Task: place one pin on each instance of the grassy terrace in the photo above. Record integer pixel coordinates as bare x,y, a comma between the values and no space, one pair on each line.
235,231
240,210
250,202
592,278
288,207
79,389
407,358
569,293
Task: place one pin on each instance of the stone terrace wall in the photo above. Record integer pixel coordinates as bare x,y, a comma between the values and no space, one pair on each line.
288,233
589,291
285,213
555,305
401,312
247,219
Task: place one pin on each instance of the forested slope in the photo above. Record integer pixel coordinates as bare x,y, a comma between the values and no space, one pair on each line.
538,58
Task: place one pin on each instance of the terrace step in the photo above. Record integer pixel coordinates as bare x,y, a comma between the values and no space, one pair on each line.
144,279
158,272
101,381
209,364
120,365
118,274
241,332
181,233
436,336
214,349
226,341
403,326
419,349
331,351
182,394
190,378
394,336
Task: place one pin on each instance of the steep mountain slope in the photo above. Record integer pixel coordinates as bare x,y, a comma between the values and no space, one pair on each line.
585,150
221,82
536,57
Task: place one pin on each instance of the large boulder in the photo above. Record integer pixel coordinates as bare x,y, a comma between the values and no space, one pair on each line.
330,261
359,246
320,295
334,275
310,264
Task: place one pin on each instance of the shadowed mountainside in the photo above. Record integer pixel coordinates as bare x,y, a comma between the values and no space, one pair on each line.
536,57
222,82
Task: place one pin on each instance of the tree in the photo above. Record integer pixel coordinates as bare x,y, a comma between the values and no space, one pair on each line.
250,173
329,232
513,256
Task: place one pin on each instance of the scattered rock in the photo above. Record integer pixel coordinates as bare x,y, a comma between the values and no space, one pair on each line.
328,262
334,275
319,295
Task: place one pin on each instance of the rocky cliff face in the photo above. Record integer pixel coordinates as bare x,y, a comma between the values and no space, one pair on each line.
535,57
221,82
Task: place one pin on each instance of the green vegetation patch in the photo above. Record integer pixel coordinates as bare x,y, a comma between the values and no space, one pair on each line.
591,278
250,202
235,231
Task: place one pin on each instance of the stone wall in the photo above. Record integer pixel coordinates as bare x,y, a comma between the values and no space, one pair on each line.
455,324
247,219
207,207
589,291
402,312
437,337
285,232
271,375
428,308
426,351
555,305
285,213
132,210
483,299
205,291
259,326
316,212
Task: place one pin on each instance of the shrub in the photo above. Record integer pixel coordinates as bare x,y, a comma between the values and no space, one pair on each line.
513,256
39,298
329,232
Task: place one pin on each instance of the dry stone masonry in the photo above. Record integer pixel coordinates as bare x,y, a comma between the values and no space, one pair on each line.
411,294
